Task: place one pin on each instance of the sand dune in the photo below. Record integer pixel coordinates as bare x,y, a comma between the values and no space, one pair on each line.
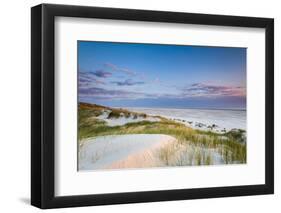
122,151
122,120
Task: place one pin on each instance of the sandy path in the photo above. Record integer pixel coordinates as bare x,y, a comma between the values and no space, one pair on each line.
122,151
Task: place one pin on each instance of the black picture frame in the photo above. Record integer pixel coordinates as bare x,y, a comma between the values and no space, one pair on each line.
43,102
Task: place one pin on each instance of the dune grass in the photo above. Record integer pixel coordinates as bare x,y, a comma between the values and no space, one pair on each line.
193,147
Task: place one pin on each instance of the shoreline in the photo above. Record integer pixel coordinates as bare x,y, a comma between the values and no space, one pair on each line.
218,121
179,108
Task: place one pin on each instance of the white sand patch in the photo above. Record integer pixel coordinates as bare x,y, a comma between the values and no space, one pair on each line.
122,120
122,151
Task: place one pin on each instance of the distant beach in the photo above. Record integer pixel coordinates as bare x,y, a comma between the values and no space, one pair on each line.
216,119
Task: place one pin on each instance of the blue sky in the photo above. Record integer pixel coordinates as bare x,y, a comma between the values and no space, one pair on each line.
156,75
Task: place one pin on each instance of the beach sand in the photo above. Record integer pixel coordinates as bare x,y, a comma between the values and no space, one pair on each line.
122,151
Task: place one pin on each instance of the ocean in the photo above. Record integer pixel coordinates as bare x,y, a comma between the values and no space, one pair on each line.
201,118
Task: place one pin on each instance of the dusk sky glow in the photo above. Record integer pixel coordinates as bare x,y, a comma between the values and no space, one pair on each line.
156,75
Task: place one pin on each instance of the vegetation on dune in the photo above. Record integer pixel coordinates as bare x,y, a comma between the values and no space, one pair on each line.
193,147
89,110
83,106
237,135
116,113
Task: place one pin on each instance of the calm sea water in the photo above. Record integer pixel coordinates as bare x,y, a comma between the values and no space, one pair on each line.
228,119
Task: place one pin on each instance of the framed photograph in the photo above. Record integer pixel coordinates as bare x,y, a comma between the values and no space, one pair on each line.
139,106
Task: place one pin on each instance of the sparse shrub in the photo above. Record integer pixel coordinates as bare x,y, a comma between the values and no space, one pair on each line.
143,115
113,114
127,115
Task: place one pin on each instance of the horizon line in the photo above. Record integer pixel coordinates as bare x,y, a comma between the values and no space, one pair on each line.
167,107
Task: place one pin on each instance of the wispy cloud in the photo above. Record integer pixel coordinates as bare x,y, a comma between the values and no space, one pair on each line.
116,68
101,73
128,82
87,79
209,90
108,94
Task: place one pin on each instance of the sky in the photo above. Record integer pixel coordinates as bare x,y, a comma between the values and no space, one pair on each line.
159,75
